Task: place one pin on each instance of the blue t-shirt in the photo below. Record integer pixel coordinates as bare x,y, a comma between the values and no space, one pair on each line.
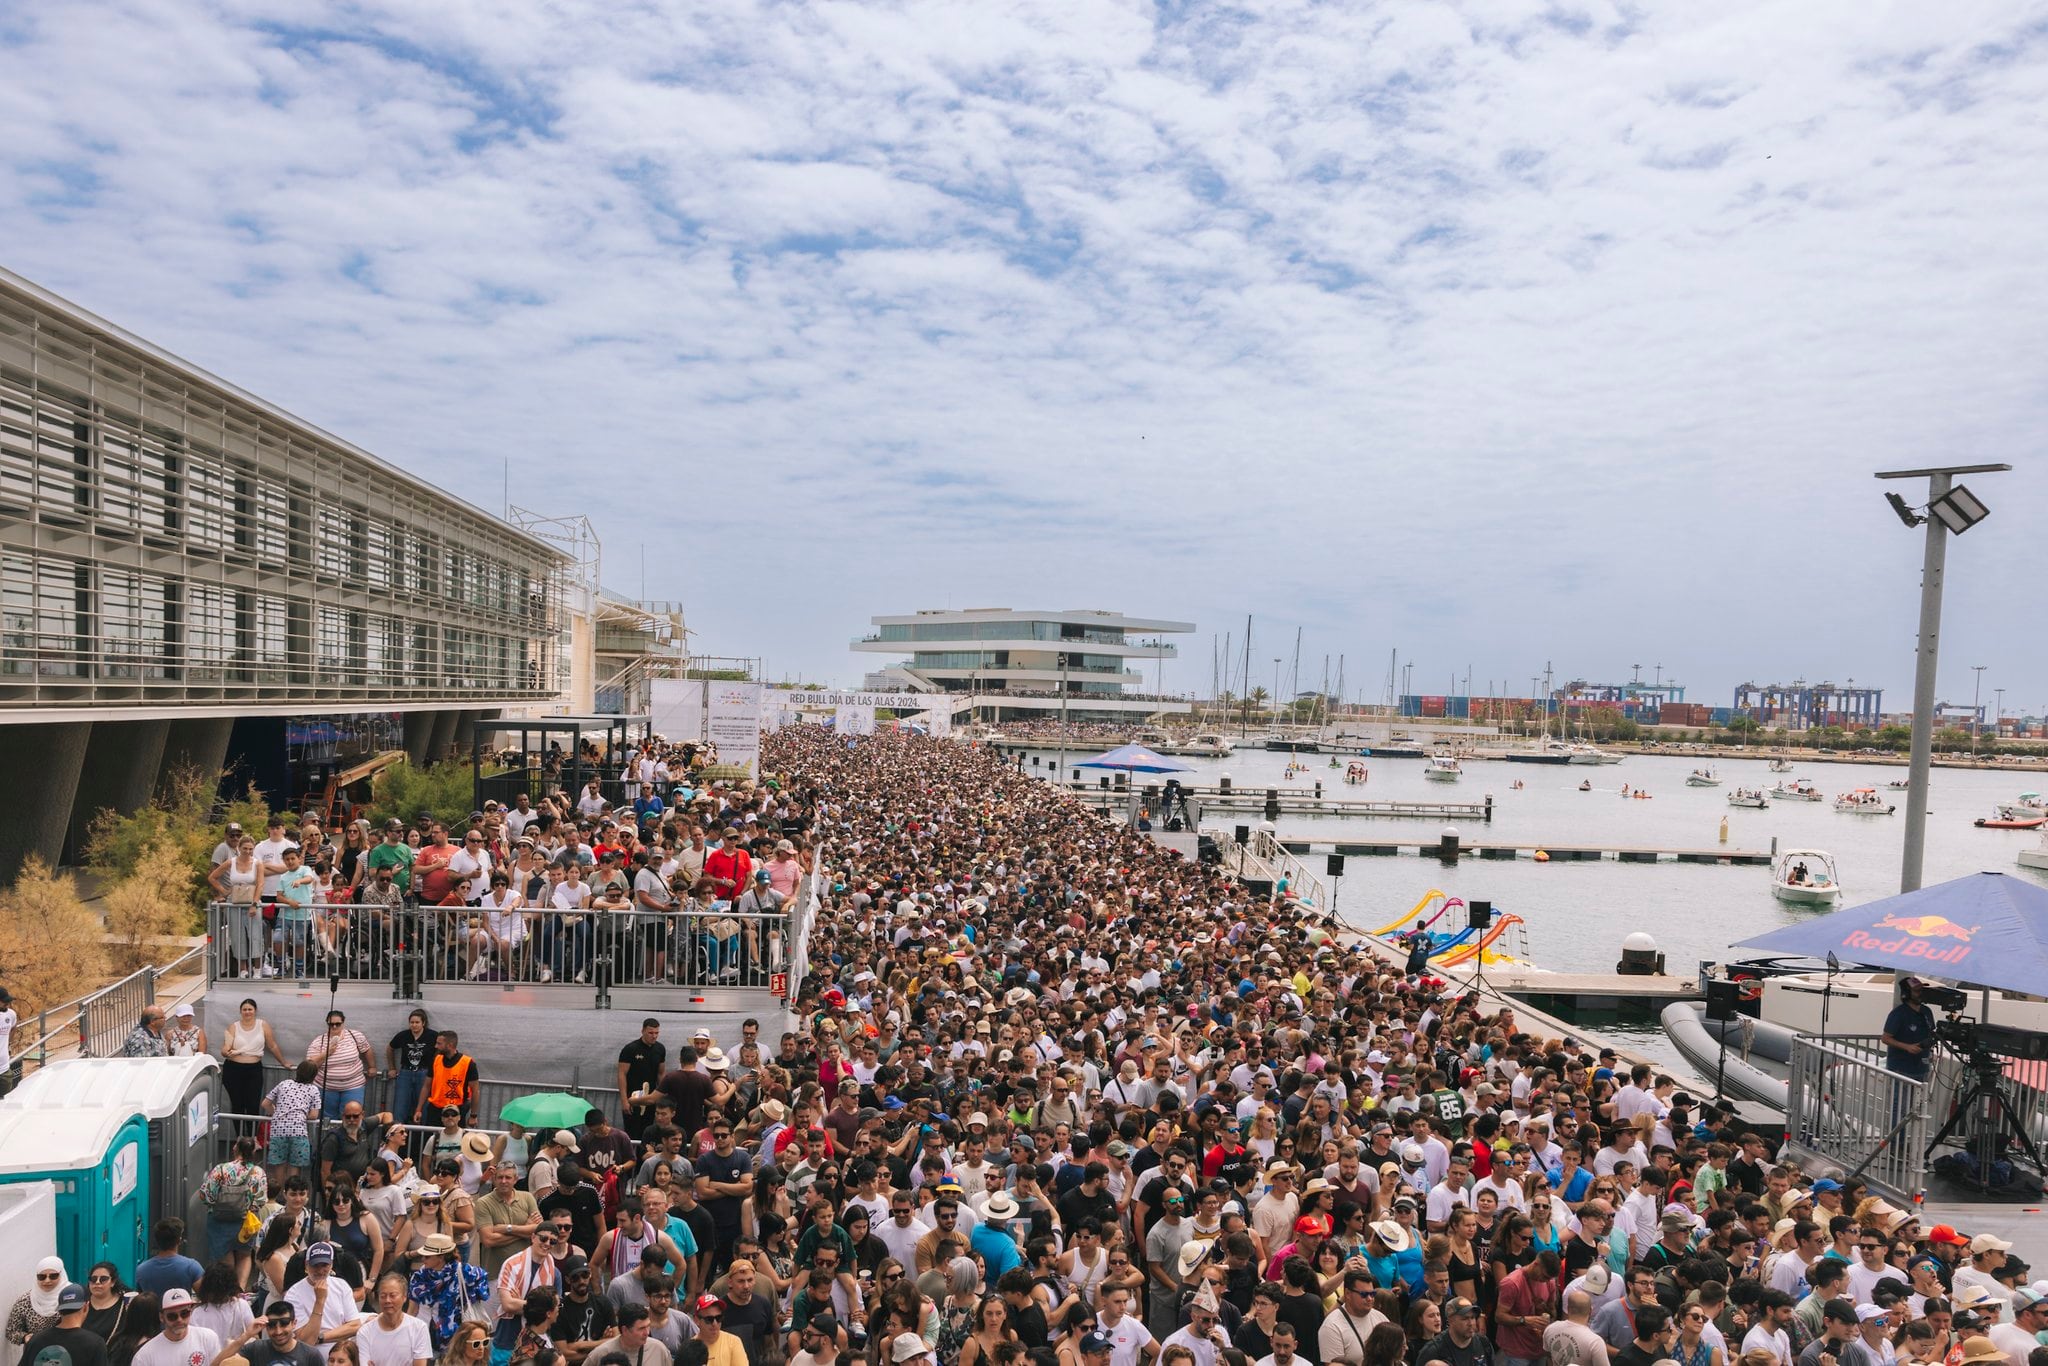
998,1250
173,1272
1908,1024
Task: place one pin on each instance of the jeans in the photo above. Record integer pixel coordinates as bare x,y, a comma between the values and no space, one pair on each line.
332,1099
406,1089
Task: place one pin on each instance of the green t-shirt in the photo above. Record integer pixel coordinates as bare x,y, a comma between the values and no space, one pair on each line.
398,856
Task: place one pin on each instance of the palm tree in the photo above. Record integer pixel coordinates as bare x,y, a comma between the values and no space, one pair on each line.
1256,697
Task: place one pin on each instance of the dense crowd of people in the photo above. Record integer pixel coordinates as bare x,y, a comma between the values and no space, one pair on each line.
1054,1095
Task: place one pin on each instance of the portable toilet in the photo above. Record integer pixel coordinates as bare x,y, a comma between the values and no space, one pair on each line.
98,1158
178,1097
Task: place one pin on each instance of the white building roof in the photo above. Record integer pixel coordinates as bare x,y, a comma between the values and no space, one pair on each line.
155,1087
57,1140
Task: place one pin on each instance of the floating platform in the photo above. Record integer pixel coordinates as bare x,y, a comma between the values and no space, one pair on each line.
1554,853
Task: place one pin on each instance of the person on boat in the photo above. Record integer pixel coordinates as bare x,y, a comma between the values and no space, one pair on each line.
1585,785
1798,877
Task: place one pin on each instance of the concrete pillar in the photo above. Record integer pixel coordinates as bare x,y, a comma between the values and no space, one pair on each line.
122,760
200,744
39,768
419,731
443,736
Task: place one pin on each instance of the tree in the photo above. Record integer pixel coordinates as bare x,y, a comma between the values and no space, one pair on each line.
445,791
50,948
186,816
150,905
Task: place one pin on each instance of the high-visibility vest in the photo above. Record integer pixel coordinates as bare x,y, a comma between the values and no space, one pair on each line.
447,1082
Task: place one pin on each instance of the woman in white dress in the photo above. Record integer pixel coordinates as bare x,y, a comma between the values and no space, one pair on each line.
503,930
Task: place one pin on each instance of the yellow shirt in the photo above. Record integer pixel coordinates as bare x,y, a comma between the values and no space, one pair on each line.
727,1351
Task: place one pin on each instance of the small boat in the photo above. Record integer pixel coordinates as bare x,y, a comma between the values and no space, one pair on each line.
1585,785
1207,745
1442,768
1703,777
1798,790
2005,822
1805,877
1781,765
1864,801
2036,857
1898,784
1750,797
2029,804
1756,1064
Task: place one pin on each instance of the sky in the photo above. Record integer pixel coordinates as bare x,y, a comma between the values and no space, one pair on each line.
1496,335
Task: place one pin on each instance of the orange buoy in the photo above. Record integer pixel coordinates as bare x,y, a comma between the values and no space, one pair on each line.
1542,857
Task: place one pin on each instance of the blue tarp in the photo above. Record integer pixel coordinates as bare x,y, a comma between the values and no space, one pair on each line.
1135,759
1986,930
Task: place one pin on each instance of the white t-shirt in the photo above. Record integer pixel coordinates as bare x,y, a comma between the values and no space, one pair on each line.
400,1346
1772,1340
340,1308
1127,1341
272,851
475,868
198,1347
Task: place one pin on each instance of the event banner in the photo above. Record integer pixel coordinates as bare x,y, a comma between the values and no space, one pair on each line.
675,708
902,702
939,723
853,720
733,723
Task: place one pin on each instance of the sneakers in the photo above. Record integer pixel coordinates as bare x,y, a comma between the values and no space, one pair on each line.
268,971
579,979
547,974
478,969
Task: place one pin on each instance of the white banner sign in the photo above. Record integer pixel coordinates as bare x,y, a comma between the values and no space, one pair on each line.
675,707
854,720
940,723
893,701
733,723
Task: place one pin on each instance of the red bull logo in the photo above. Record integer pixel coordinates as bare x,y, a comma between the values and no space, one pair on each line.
1920,936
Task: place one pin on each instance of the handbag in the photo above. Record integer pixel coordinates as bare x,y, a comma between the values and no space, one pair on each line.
472,1312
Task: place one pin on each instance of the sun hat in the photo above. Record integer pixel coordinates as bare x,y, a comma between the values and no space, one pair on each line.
476,1146
438,1245
1390,1233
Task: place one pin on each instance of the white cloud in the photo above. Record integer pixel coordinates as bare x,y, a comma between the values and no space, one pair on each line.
1503,334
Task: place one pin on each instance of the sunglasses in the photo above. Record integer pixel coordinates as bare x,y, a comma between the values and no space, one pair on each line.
709,1318
175,1315
51,1276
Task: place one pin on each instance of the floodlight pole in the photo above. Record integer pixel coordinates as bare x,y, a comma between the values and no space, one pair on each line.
1932,566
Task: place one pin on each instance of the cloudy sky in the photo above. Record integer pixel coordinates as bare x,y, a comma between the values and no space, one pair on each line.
1498,334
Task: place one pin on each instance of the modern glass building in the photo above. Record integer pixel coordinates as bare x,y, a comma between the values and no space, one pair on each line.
177,554
1089,664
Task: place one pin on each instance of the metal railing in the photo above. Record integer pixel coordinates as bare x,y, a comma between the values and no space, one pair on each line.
411,945
1845,1108
491,1096
1304,884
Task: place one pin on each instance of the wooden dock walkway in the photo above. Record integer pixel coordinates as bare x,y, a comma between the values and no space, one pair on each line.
1553,853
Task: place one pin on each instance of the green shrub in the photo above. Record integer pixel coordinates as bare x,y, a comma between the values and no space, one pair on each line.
185,816
447,791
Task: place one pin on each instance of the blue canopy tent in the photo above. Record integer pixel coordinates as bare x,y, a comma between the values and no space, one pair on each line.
1135,759
1987,930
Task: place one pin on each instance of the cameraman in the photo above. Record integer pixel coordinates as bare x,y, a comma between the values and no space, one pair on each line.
1908,1032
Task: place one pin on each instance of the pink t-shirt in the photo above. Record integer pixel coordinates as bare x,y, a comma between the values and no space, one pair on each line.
784,874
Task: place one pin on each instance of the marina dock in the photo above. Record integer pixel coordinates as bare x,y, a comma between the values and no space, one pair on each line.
1272,803
1552,853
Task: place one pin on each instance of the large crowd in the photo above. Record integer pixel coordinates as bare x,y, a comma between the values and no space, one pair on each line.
1053,1095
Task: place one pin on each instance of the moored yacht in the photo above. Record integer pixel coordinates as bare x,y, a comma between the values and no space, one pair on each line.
1798,790
1864,801
1443,768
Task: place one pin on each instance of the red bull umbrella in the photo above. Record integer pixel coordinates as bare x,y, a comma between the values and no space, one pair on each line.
1986,930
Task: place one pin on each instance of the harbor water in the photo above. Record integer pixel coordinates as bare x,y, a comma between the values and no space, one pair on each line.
1577,913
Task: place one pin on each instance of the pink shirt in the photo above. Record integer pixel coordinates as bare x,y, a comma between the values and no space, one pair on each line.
784,874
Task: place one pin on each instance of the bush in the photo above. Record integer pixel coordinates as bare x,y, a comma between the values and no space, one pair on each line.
446,790
50,948
151,904
185,817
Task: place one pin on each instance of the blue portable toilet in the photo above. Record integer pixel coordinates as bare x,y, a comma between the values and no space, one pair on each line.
98,1158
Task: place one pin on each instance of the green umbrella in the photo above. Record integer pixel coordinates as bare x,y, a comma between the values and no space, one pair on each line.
546,1110
724,773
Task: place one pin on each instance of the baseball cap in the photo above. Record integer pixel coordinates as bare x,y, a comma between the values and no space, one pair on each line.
1826,1184
1867,1312
827,1324
1988,1242
705,1302
71,1298
320,1254
1946,1233
1460,1305
565,1139
1095,1343
177,1297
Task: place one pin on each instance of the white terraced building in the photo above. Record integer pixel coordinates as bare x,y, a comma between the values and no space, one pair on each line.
1089,665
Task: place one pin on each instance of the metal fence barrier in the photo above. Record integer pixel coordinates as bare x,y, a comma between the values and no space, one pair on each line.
1845,1109
492,1096
410,945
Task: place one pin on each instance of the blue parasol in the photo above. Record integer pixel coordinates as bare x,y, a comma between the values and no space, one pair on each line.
1135,759
1986,930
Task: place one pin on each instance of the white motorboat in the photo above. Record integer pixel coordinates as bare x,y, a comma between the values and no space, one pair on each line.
1781,765
1442,768
1152,738
1703,777
1579,752
2027,807
1207,745
1805,877
1798,790
2036,857
1864,801
1751,797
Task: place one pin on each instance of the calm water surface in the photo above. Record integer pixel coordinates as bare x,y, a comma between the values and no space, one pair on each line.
1578,913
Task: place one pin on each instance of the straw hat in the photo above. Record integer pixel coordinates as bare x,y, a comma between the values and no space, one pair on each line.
476,1146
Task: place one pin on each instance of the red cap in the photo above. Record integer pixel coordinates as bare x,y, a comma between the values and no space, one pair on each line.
1311,1223
1943,1233
708,1302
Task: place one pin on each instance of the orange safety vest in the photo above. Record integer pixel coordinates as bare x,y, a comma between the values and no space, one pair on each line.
447,1083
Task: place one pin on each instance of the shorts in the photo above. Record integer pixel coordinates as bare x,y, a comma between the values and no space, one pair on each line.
289,1151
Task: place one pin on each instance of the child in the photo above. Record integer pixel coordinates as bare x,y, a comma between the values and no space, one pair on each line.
1711,1177
296,887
